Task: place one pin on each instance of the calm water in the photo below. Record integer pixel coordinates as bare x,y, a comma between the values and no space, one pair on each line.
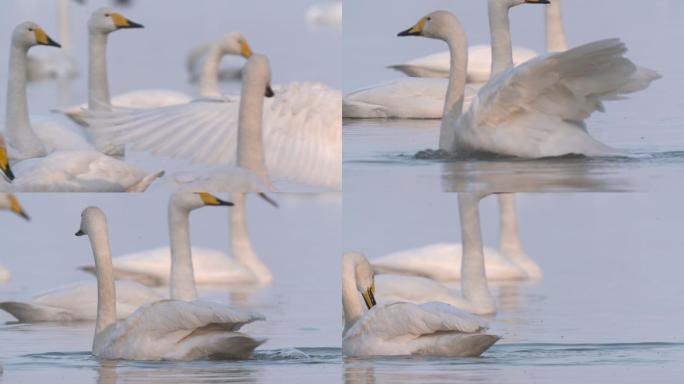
648,125
297,51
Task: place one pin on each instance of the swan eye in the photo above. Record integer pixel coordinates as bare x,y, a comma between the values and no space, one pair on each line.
429,18
30,29
107,15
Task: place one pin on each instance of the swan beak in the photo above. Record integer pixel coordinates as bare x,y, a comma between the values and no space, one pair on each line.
122,22
416,30
80,233
269,91
4,164
209,199
16,208
369,297
537,2
43,39
245,50
268,199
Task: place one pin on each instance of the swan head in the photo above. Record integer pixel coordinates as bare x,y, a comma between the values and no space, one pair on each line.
257,72
190,201
92,220
364,276
4,159
436,25
507,4
234,43
30,34
10,203
105,21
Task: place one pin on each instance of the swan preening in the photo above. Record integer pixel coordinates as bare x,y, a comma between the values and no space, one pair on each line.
9,202
298,140
538,108
173,329
400,328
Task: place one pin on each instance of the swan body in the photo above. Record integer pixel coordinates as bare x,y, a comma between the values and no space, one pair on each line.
301,138
402,99
168,329
534,110
78,302
431,329
479,63
329,14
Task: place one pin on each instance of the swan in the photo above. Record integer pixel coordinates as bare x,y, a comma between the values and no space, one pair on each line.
62,65
212,267
534,110
203,62
301,139
9,202
442,262
328,14
400,328
167,329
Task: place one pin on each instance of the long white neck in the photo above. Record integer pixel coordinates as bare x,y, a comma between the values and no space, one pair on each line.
509,237
250,131
18,126
352,306
182,274
555,31
208,82
453,105
241,245
98,85
106,290
64,23
473,274
500,30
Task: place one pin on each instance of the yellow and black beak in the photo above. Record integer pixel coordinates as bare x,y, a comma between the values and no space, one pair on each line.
245,50
416,30
4,164
43,39
123,23
209,199
16,208
537,2
269,91
369,297
79,233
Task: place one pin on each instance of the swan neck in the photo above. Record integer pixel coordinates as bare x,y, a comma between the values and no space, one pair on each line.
182,274
209,84
250,131
453,105
500,30
64,23
106,289
20,134
241,244
509,237
98,84
473,275
555,30
351,301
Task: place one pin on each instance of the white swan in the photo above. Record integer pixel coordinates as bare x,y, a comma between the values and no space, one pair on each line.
9,202
63,64
210,266
329,14
301,131
536,109
442,262
163,330
203,62
432,329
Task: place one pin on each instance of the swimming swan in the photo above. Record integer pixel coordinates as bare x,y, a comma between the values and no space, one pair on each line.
162,330
9,202
396,329
209,266
534,110
301,136
203,62
442,262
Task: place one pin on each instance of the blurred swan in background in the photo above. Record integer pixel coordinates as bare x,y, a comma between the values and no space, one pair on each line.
62,65
329,14
210,266
538,108
400,328
9,202
203,62
301,136
168,329
442,262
